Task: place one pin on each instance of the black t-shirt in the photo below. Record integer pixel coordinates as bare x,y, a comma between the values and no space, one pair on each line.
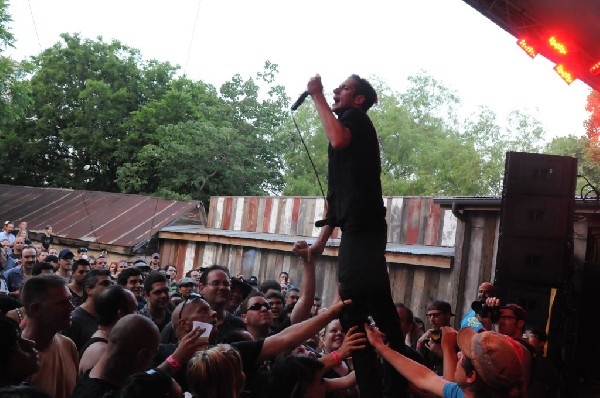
354,188
250,352
83,326
94,388
231,322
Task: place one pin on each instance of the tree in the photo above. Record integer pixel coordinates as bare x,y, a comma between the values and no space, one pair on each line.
425,148
13,91
77,130
229,145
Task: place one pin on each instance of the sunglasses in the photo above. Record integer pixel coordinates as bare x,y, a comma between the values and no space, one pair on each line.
191,297
259,306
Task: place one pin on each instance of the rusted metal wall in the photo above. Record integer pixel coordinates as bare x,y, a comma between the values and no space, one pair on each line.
99,220
411,220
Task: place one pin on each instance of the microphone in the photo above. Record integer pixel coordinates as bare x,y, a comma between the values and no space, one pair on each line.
300,100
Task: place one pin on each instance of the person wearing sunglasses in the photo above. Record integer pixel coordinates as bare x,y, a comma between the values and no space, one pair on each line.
253,353
257,316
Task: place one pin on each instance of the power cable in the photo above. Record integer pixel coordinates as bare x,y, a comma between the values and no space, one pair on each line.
309,157
34,25
192,38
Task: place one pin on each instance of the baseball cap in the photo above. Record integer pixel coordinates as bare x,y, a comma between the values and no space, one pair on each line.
154,255
39,267
50,258
82,250
494,356
186,281
245,287
140,264
65,253
441,306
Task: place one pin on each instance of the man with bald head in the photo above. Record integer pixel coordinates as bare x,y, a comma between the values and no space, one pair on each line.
472,319
132,343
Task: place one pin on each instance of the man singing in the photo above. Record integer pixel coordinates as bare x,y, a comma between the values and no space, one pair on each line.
355,204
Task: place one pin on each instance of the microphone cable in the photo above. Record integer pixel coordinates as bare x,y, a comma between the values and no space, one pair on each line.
309,157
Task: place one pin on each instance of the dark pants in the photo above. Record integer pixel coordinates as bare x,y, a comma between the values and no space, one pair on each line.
364,279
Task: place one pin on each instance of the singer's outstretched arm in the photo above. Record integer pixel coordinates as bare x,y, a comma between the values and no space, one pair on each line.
338,135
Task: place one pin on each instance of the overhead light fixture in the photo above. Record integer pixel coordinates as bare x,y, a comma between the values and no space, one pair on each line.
558,46
564,73
528,48
595,69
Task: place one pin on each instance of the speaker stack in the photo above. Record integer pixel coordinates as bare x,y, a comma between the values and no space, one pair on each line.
536,230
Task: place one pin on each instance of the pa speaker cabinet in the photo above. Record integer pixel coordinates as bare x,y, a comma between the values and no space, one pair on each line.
546,175
534,299
533,261
537,216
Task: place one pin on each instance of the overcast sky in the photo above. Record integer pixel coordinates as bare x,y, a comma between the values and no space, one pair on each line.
214,39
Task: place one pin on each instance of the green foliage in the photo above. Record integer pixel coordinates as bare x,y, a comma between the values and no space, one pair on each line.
14,93
224,145
425,148
90,114
82,94
6,37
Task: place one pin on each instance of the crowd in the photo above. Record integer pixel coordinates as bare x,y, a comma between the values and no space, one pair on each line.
75,325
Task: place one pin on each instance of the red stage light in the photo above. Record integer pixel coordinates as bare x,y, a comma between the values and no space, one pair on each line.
595,69
529,49
559,47
564,73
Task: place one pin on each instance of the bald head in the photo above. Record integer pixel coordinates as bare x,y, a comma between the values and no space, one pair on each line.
486,290
132,343
195,309
134,332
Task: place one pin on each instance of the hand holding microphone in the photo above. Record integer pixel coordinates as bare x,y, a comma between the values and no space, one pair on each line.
314,86
300,100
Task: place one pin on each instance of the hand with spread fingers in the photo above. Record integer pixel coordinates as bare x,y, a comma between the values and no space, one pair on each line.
352,341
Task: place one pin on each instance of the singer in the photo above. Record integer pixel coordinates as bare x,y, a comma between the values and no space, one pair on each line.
355,205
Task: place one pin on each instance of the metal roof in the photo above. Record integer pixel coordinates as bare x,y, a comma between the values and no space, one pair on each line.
576,22
102,218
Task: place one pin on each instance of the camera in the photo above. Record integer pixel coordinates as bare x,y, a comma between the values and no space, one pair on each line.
485,312
436,336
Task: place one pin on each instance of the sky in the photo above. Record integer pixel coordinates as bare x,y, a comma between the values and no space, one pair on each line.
212,40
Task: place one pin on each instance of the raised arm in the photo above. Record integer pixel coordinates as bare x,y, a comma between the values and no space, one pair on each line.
449,350
302,308
421,376
297,334
338,135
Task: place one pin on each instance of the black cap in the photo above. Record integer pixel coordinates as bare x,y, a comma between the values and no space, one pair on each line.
50,258
441,306
246,288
